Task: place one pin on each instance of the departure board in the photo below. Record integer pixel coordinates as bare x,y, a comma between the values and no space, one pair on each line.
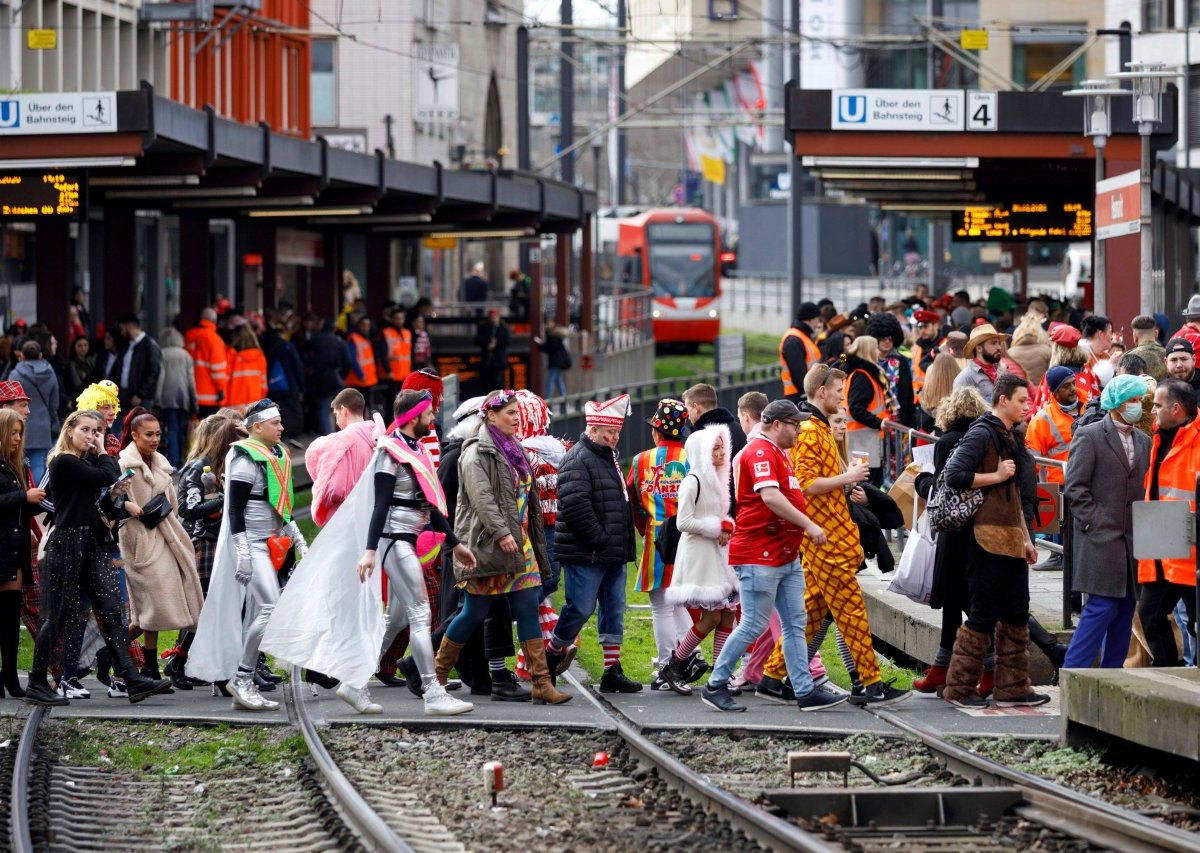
1021,221
40,195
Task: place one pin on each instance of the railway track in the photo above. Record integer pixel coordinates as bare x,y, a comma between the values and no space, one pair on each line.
344,804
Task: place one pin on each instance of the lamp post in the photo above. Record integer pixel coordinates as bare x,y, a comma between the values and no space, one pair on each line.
1097,123
1148,79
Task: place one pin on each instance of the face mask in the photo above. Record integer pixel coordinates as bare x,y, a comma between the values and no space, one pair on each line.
1132,413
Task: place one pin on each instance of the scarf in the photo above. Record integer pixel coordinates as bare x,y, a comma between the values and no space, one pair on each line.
511,450
991,371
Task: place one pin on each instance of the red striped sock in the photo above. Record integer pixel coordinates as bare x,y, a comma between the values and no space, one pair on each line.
688,644
719,637
612,655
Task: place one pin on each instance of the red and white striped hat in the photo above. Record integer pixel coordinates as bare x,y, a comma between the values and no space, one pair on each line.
610,413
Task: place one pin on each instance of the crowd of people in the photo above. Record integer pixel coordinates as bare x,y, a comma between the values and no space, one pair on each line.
1014,394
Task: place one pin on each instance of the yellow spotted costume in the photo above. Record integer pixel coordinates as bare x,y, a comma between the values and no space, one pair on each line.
829,570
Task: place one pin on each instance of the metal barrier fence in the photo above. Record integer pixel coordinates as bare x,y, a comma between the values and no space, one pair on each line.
644,396
767,294
898,442
623,320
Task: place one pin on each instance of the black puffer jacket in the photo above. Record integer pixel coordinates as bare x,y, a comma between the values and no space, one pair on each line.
201,518
726,417
595,522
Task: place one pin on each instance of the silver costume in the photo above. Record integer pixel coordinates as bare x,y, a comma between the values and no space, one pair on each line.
262,588
408,602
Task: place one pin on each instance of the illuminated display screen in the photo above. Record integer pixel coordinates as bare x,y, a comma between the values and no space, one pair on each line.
1024,221
40,195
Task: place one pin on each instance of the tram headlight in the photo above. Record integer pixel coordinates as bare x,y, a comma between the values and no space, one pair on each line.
712,312
655,313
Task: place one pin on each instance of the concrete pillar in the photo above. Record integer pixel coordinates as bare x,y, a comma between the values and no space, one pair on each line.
537,325
53,264
324,281
195,267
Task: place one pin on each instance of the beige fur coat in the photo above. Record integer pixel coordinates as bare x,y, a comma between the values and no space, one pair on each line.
160,564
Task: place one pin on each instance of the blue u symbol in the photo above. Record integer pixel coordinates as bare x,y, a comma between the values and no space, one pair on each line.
10,113
852,109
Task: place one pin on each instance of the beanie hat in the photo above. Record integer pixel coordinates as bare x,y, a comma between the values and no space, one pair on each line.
1057,375
1121,390
808,311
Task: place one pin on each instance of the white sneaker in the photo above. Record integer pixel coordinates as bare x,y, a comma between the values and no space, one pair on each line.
358,698
245,695
116,689
72,688
439,703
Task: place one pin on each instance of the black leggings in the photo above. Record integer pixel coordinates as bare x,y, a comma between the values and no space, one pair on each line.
77,562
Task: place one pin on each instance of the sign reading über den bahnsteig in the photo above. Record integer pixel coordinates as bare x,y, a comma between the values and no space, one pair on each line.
897,109
58,113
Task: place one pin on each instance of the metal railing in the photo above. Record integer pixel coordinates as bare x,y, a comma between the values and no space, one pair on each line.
644,396
898,442
769,294
623,320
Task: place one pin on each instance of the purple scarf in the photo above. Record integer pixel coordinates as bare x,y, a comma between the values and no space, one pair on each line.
512,452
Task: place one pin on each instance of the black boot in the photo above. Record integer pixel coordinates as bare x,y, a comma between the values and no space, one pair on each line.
10,641
103,666
311,676
174,670
265,671
412,676
150,667
614,681
1049,645
390,680
140,688
38,692
506,689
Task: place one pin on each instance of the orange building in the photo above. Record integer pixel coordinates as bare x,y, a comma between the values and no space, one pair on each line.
252,66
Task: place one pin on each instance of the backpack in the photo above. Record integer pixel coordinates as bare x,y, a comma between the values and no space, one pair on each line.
277,381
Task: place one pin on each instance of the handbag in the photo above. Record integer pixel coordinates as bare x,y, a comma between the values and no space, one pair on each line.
666,538
949,508
155,510
914,575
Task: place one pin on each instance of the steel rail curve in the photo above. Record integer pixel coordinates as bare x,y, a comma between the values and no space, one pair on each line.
768,830
18,813
372,831
1072,812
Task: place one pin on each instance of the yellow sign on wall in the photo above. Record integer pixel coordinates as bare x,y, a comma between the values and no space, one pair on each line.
973,39
439,242
41,39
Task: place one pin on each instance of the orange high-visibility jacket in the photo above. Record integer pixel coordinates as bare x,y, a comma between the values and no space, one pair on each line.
1176,482
878,402
247,377
1049,435
812,355
399,352
207,350
364,355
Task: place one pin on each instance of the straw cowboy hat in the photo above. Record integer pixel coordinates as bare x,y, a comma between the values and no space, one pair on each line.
981,334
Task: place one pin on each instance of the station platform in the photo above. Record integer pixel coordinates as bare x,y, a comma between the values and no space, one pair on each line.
1155,708
915,628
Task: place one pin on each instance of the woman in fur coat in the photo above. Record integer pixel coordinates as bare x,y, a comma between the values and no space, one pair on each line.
160,562
703,579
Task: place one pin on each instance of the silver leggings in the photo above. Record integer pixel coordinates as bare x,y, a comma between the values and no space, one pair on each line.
408,605
262,593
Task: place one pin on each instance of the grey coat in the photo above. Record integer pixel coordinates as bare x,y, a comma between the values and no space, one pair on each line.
1101,488
487,512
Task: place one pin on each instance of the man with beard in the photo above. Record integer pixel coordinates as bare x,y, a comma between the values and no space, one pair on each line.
985,348
1181,362
925,349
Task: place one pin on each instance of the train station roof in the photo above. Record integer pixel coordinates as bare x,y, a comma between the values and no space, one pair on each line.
169,156
937,150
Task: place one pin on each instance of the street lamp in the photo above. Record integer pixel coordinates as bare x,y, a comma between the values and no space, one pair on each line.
1097,123
1149,79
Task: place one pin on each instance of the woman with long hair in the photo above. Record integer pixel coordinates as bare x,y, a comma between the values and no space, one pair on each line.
76,560
939,382
703,579
17,506
867,394
499,517
203,503
160,564
78,369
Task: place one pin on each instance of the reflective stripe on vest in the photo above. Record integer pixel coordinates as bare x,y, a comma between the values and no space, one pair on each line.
878,404
812,355
399,353
1170,493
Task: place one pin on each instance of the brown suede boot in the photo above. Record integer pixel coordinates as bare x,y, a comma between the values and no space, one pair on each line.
544,692
966,667
446,658
1012,687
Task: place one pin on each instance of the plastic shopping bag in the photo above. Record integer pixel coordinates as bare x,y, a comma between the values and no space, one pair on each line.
914,575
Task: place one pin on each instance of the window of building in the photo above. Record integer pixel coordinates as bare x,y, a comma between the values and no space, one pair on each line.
323,83
1035,56
1158,15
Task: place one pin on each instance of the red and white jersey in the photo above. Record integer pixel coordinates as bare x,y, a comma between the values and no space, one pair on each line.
432,445
545,456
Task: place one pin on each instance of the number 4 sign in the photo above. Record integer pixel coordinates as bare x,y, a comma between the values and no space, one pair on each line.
982,113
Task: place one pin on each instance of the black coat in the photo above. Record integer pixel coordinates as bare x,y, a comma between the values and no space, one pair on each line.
14,526
595,521
326,362
949,579
724,416
557,355
447,474
201,518
144,367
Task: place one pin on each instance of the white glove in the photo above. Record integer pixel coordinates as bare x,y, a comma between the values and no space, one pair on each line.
293,530
245,564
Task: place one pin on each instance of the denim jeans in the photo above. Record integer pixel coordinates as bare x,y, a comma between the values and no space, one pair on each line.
1105,621
324,416
589,586
556,383
763,589
1189,645
524,605
175,424
37,463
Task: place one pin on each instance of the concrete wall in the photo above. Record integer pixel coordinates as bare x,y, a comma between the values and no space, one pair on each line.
837,238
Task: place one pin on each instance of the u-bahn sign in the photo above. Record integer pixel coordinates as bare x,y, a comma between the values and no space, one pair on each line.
897,109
